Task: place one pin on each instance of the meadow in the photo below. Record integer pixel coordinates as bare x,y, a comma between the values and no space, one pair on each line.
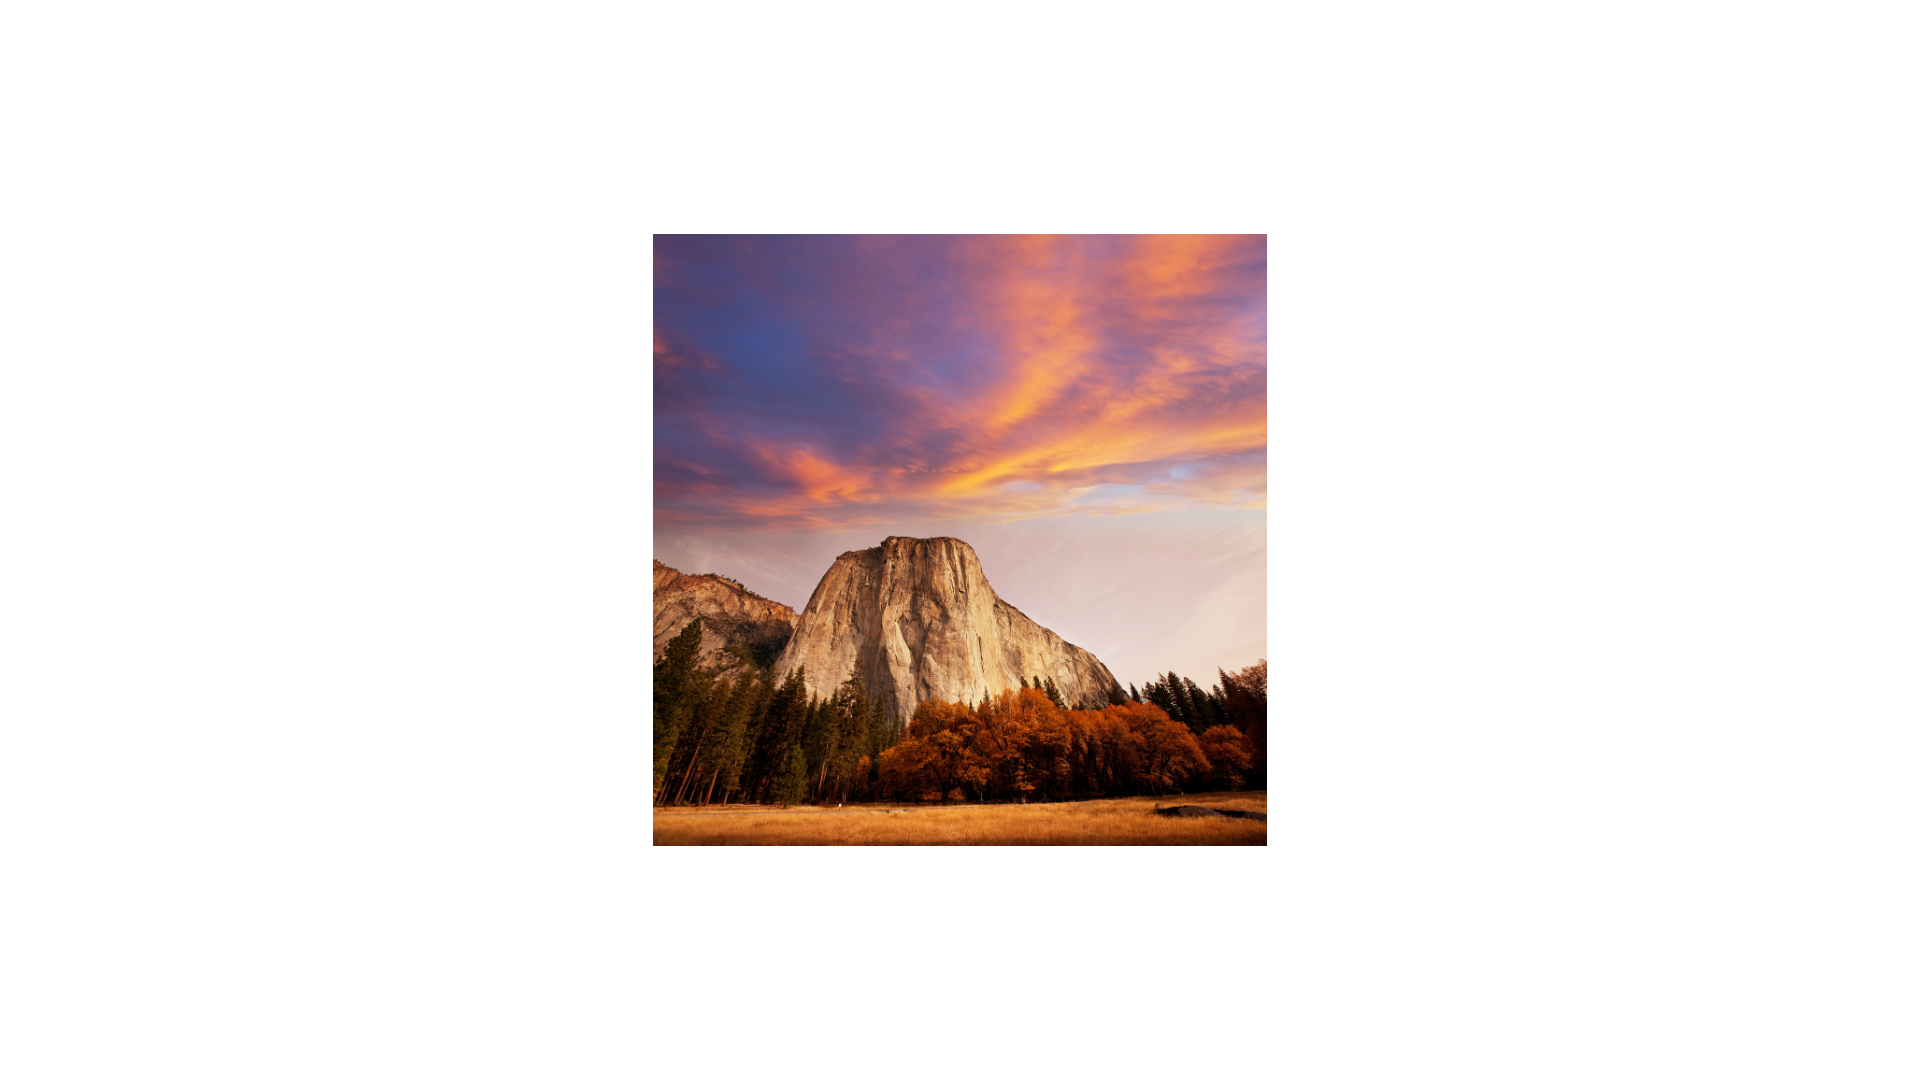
1092,822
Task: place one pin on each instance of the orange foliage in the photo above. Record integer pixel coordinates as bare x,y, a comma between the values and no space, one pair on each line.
1246,694
1019,745
1229,754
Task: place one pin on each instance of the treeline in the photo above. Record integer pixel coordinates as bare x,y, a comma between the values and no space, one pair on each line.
1024,744
737,585
737,737
1239,698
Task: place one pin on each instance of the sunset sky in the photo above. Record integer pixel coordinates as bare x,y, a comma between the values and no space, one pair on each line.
1088,412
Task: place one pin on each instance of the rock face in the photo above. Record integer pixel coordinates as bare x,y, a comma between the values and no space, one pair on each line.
729,614
921,617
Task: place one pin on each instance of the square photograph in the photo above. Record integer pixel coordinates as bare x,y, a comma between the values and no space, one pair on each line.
959,540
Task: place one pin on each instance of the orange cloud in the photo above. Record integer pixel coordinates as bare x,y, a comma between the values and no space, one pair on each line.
994,376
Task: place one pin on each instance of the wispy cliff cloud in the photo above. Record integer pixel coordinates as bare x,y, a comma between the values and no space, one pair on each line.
838,382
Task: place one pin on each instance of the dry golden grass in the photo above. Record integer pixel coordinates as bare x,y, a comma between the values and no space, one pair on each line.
1102,821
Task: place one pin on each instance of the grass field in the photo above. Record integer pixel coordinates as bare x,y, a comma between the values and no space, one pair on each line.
1102,821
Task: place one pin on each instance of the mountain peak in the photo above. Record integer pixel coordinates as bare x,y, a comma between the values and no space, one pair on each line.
921,617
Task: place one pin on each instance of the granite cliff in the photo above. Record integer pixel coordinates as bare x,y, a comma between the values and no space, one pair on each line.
921,617
729,614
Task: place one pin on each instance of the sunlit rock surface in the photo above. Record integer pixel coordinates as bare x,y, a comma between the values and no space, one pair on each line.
922,617
729,614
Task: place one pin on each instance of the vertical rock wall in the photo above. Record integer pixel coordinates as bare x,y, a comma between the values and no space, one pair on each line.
921,616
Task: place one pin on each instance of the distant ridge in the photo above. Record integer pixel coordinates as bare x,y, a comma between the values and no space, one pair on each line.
730,615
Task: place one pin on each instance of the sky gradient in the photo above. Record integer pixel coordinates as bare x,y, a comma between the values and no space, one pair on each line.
1088,412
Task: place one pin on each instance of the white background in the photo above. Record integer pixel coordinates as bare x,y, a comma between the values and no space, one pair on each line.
324,464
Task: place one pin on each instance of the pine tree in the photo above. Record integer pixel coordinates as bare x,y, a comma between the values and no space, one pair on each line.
1159,693
780,733
1053,694
1178,688
726,755
1216,707
1199,706
758,707
706,698
1185,708
790,786
1115,695
1136,693
671,676
851,709
822,741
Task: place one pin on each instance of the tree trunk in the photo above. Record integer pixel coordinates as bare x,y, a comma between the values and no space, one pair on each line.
692,760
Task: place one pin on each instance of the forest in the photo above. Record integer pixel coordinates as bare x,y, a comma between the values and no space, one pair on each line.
734,736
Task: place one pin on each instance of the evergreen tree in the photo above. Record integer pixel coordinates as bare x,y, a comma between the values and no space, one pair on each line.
1177,687
1115,695
671,678
790,785
726,754
1216,703
706,701
1136,693
1053,694
1160,694
1199,706
758,707
1185,709
780,733
822,740
852,712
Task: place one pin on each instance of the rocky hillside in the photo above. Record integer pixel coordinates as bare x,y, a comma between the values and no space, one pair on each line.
922,617
730,615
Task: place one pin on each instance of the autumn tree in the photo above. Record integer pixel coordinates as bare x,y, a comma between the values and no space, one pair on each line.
1021,744
1245,693
1229,756
1169,754
949,760
934,755
901,769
